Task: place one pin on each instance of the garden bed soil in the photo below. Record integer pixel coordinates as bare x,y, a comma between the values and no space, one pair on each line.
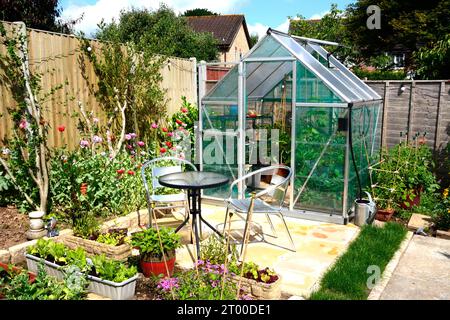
13,227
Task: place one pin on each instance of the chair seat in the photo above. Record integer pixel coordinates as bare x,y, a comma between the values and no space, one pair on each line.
242,205
168,198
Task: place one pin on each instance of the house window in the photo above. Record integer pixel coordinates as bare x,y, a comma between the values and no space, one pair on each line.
399,60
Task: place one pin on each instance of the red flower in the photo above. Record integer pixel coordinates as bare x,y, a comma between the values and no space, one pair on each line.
163,150
184,110
179,122
165,130
169,144
131,172
61,128
121,171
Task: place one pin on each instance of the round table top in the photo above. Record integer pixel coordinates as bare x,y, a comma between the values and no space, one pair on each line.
193,180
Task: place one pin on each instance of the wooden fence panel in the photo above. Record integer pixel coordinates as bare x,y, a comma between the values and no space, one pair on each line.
56,57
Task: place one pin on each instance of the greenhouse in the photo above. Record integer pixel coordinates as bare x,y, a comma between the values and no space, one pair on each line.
328,123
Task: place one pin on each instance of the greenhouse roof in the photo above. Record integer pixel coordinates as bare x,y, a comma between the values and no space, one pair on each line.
271,61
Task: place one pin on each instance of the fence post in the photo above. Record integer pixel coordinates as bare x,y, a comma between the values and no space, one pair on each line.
194,79
437,135
385,112
411,110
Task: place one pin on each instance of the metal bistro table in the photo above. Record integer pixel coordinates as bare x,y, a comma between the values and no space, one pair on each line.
194,182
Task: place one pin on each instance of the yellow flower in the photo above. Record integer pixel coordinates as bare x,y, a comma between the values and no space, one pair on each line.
445,194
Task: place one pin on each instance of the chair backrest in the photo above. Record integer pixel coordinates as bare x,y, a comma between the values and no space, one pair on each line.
160,167
275,192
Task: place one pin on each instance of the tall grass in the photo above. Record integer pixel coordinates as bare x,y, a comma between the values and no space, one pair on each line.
347,279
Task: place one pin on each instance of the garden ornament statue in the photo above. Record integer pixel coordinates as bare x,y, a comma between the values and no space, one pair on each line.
36,225
51,228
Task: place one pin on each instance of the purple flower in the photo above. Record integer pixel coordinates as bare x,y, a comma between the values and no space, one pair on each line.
141,143
97,139
84,144
128,137
168,284
133,135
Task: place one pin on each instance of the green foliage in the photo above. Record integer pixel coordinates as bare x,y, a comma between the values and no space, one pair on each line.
112,270
441,212
38,14
74,286
205,283
406,23
214,251
380,74
199,12
150,244
254,38
404,171
347,279
101,267
433,61
129,82
163,32
113,238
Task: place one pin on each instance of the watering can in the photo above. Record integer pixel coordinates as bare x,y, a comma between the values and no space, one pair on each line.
365,211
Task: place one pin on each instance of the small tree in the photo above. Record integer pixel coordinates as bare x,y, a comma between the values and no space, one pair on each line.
128,87
433,62
29,154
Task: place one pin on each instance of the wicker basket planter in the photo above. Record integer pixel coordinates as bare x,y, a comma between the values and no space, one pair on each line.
260,290
119,253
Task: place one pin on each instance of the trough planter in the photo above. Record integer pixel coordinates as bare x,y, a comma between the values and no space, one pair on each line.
119,253
113,290
260,290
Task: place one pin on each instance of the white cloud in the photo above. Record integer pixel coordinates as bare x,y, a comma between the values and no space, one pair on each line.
261,29
108,10
319,15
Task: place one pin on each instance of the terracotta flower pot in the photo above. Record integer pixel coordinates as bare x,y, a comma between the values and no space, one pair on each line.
155,268
384,214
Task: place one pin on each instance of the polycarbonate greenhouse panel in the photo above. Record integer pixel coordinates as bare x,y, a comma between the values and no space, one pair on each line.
269,47
226,89
363,86
319,159
366,133
330,80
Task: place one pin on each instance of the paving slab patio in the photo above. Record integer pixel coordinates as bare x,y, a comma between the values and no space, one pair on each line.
318,245
423,272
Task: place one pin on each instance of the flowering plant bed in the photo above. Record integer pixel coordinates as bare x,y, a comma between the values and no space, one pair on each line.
106,277
7,272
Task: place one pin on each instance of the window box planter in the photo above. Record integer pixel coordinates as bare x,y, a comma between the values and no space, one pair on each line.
119,253
113,290
260,290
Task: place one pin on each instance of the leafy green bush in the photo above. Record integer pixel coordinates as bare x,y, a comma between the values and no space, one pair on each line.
111,270
74,286
149,244
380,74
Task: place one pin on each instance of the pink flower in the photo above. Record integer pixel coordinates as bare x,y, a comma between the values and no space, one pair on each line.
96,120
23,124
184,110
154,126
179,122
141,143
133,135
170,134
97,139
129,147
128,137
84,144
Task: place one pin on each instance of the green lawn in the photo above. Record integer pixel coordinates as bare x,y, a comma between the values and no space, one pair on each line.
347,279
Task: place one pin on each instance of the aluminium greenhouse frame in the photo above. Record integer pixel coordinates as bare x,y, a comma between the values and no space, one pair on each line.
296,51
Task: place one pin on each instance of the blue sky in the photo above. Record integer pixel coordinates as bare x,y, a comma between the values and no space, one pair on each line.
259,14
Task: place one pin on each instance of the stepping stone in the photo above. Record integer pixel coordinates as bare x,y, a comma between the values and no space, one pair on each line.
418,221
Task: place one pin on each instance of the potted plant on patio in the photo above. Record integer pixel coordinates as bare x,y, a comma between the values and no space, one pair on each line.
157,250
